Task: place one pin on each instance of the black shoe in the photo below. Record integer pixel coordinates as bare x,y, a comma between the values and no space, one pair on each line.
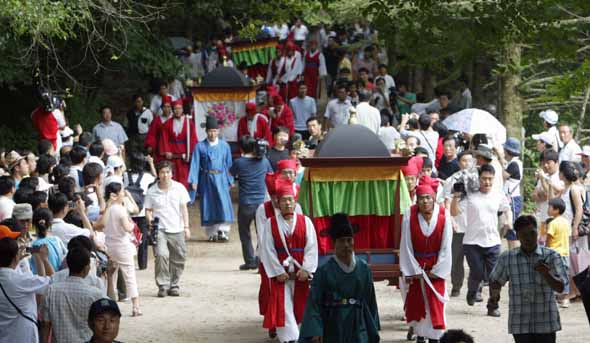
470,299
494,313
162,292
247,266
410,336
420,339
174,292
272,333
455,293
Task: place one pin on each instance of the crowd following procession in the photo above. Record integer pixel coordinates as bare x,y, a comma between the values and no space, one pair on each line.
377,192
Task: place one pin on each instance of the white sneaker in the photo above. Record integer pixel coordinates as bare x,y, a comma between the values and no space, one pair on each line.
565,303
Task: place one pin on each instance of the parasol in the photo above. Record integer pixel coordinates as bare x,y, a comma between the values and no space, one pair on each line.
473,120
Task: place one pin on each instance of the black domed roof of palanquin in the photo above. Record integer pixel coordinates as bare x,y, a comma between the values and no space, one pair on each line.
351,141
224,77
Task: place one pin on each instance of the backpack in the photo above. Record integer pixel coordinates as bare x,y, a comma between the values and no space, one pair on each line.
584,227
134,188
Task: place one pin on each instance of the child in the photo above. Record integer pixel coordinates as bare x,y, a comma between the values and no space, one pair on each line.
558,232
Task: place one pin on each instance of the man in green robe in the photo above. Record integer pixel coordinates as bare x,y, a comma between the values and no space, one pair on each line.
341,307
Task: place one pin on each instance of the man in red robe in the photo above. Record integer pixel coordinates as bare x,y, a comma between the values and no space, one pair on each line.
289,253
254,124
290,71
153,139
178,138
278,113
314,70
425,262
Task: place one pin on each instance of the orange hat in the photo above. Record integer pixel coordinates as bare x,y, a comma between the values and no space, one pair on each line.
283,187
251,108
166,100
6,232
287,164
427,185
269,179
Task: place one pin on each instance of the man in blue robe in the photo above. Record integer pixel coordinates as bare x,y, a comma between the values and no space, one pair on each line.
209,177
341,307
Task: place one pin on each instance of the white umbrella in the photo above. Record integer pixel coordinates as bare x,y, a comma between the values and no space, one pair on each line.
473,120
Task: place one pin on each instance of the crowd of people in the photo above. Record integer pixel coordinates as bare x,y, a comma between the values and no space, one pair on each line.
79,213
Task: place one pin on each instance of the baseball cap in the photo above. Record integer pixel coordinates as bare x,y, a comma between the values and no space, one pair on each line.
485,151
115,162
550,116
585,151
6,232
101,306
22,212
544,137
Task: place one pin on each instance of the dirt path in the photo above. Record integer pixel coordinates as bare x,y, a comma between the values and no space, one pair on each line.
218,303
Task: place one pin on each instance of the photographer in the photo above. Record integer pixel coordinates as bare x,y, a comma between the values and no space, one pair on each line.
279,151
250,171
482,241
60,206
18,317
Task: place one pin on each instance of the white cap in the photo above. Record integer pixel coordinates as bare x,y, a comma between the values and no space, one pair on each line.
115,161
550,116
585,151
545,137
109,147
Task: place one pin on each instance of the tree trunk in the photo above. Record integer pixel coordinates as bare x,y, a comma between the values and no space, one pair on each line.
510,100
418,80
583,114
429,85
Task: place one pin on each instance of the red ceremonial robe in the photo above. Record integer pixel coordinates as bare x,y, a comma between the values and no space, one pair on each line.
264,290
311,73
275,313
262,128
285,118
177,145
153,138
426,251
46,125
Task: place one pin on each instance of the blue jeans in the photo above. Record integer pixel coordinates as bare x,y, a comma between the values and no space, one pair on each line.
481,262
516,209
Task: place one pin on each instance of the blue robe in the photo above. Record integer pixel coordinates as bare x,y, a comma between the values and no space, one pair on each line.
210,170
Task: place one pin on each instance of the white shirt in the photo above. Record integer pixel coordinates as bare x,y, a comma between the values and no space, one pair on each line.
337,112
554,132
482,218
512,186
292,67
570,152
156,103
541,212
167,206
66,231
76,174
6,207
300,33
282,32
144,120
428,140
368,116
269,256
388,135
21,289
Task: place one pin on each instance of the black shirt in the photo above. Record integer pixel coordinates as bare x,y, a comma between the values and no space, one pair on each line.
274,156
447,169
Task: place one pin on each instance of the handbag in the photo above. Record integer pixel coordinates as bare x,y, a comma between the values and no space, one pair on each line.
136,235
584,226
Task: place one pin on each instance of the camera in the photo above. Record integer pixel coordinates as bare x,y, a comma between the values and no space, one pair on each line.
392,92
153,233
459,187
102,262
33,249
261,148
460,141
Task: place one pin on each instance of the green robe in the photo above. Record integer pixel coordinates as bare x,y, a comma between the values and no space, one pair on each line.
337,323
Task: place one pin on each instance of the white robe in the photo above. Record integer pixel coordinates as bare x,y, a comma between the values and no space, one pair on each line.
260,220
293,68
274,267
409,266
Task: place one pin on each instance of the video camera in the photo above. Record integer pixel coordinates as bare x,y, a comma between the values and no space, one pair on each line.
261,148
153,233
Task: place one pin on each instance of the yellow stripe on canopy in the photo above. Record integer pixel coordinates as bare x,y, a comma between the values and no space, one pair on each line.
331,174
254,46
224,95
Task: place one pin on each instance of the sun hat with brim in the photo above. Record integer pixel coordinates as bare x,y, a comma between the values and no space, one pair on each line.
103,306
485,152
12,159
109,147
550,116
340,226
585,151
5,232
22,212
544,137
512,145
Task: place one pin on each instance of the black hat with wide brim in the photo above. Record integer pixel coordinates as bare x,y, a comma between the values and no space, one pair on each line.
340,226
211,123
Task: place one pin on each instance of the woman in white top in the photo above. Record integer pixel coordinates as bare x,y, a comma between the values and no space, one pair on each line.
121,250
